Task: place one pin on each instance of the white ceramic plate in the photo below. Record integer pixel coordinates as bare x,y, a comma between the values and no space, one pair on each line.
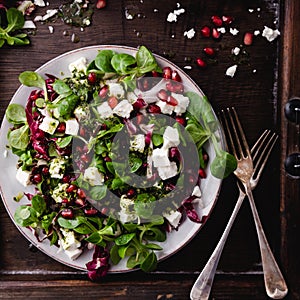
10,187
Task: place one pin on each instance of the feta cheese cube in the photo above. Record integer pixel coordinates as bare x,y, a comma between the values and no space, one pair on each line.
167,171
123,109
93,176
70,244
73,254
116,90
183,103
173,218
197,192
49,125
80,113
23,177
270,34
160,157
60,192
72,127
105,110
171,137
165,107
78,65
138,143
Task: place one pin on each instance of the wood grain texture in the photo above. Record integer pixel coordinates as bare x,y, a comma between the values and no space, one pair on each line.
258,97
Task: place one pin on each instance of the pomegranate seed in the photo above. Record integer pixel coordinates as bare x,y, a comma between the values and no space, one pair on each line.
153,109
248,38
85,158
139,103
71,188
34,96
45,171
90,211
201,63
174,153
175,87
81,193
172,101
37,178
181,120
227,19
101,4
205,157
61,127
216,34
92,78
162,95
79,202
107,159
82,131
217,21
65,200
175,76
130,193
202,173
205,31
155,74
104,91
112,102
209,51
167,73
66,179
67,213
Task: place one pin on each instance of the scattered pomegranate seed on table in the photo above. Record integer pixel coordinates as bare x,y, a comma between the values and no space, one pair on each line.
217,21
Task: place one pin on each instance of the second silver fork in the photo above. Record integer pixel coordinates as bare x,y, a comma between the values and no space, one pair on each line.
260,152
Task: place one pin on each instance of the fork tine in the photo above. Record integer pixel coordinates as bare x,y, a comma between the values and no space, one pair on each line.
241,134
255,148
227,132
264,155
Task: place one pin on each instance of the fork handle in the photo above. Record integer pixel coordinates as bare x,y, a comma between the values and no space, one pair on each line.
203,284
275,284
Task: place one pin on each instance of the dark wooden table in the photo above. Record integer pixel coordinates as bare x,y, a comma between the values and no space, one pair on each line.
265,81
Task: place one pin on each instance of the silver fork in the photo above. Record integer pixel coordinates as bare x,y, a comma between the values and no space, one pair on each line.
261,152
275,285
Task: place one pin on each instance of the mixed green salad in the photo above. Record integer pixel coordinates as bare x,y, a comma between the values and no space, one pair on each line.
116,154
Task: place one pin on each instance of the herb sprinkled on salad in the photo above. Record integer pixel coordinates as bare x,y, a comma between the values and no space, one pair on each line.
116,152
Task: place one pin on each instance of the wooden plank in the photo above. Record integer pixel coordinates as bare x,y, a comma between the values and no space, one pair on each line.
290,143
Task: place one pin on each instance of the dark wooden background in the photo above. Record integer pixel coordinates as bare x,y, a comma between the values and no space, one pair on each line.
259,98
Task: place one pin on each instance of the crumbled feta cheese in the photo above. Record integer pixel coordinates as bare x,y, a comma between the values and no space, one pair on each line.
236,50
231,71
179,11
51,29
49,14
72,127
80,113
251,10
165,108
233,31
123,109
127,214
128,15
183,103
138,143
256,32
173,218
126,217
38,18
73,254
93,176
49,125
23,177
270,34
78,65
60,192
40,3
28,24
155,10
190,33
197,192
160,157
116,90
188,67
57,167
167,171
221,29
171,137
172,16
105,110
